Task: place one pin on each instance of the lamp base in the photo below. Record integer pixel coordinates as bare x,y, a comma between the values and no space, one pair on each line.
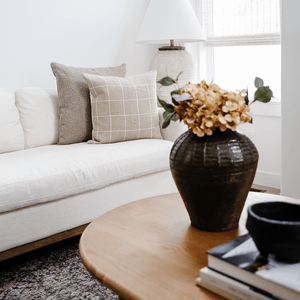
171,63
167,48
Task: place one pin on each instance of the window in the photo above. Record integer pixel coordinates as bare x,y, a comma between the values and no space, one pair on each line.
243,42
236,67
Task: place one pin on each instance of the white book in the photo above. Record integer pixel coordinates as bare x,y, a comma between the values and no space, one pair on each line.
216,290
227,287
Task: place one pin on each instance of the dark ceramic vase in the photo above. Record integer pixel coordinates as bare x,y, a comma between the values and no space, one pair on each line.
213,175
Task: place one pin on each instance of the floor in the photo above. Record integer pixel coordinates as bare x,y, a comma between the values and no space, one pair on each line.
265,189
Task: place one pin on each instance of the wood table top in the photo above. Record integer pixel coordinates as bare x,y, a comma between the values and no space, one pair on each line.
148,249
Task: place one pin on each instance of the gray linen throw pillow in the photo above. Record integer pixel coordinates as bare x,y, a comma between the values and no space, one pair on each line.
74,107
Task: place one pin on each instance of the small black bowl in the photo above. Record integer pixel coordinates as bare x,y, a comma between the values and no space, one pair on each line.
275,229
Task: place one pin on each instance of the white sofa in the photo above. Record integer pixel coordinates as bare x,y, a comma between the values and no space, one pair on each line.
47,189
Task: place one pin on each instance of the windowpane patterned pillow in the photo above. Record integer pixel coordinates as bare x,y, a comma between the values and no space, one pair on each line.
123,108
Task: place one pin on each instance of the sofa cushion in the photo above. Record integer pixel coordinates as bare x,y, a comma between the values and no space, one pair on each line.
124,108
74,108
11,132
47,173
38,114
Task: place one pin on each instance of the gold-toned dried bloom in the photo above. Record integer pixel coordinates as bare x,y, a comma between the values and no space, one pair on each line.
212,107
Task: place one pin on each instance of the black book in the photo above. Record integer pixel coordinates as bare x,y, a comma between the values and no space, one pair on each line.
240,260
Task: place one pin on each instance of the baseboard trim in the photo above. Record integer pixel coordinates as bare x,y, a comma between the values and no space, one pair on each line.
267,179
41,243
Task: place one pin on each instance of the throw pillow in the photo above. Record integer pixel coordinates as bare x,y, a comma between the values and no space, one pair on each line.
38,115
74,108
124,108
11,131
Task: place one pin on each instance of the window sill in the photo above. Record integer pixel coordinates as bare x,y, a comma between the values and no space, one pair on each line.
271,109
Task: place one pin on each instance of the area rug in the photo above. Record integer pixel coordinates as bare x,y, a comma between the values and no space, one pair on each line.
52,272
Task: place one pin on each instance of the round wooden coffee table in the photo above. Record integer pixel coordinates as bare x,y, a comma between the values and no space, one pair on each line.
148,250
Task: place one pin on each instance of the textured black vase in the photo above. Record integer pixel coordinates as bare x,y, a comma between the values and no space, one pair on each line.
213,175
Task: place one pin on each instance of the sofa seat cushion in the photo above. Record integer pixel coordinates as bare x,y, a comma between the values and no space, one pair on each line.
48,173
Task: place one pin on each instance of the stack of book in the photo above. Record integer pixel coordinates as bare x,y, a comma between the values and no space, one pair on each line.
237,271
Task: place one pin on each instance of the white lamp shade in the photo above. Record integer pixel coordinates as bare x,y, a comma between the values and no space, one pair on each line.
167,20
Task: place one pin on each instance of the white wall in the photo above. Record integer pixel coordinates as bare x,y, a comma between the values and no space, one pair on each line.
80,33
290,181
265,132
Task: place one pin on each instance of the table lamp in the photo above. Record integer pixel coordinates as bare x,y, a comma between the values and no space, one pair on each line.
170,22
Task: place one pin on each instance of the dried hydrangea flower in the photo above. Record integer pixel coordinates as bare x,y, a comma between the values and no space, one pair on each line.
212,107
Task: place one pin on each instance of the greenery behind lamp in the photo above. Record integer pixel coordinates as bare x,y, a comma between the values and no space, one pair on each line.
170,22
212,164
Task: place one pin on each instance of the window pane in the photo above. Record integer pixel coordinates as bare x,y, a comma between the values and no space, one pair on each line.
242,17
241,22
235,68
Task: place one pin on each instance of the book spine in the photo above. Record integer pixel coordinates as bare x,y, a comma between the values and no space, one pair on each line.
232,286
216,290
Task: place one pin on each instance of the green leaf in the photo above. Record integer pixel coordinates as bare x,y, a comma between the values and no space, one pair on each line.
170,115
263,94
165,114
182,97
246,97
166,123
166,81
176,92
174,118
168,119
168,107
174,101
178,75
258,82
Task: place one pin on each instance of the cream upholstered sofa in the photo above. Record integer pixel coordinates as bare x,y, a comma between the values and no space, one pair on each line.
48,189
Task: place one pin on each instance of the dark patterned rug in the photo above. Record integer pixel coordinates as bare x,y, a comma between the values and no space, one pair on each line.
52,272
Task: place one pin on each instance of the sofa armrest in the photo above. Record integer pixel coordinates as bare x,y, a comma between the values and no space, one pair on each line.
174,130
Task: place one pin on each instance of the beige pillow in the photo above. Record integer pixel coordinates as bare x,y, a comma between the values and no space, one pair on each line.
74,108
124,108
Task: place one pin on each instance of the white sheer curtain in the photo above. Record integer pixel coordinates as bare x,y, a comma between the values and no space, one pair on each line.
241,22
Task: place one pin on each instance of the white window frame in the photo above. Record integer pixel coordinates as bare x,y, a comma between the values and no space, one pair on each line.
205,70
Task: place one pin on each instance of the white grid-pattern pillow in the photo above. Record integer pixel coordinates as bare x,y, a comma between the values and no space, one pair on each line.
123,108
